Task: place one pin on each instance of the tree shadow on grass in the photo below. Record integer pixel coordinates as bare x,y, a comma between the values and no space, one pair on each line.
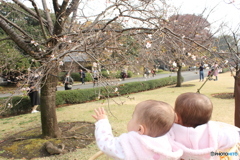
223,95
29,144
183,85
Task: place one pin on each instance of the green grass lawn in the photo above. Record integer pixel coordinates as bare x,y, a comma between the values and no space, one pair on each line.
120,111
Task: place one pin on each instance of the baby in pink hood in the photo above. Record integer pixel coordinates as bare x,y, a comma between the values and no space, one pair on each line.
146,138
196,135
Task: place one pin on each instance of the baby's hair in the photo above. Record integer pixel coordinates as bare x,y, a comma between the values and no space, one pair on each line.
193,109
157,116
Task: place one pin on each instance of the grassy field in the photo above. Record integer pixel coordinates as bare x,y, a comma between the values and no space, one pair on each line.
119,114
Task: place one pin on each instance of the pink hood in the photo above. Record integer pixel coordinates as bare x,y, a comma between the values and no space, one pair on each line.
199,142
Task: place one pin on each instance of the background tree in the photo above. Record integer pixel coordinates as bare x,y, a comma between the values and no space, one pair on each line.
194,35
121,33
183,40
230,57
72,30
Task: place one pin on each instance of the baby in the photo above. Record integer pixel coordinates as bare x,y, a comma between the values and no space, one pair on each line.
195,134
146,138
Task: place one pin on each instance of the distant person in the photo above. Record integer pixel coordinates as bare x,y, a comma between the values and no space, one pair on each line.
82,76
193,131
34,97
210,74
95,77
68,82
145,140
201,72
33,90
123,75
146,73
216,71
153,71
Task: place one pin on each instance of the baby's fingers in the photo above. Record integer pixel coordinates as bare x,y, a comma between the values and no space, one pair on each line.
95,117
99,113
96,111
102,111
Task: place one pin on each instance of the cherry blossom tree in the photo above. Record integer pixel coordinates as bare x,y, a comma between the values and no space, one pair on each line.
72,27
113,34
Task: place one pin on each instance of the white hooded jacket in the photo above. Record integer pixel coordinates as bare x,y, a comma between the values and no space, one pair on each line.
133,146
204,142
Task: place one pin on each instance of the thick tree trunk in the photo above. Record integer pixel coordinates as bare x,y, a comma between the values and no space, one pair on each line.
179,77
237,99
48,104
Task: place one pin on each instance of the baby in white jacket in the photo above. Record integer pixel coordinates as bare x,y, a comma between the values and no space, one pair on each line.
146,138
196,135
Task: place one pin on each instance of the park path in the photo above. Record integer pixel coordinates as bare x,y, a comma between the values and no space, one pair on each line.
187,75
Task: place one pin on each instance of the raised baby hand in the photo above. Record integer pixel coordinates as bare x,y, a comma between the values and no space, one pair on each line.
99,114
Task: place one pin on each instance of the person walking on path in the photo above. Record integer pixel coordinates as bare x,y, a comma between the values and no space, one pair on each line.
201,73
215,71
153,71
68,82
123,75
95,77
82,76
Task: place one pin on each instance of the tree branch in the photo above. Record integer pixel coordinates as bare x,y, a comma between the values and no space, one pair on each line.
27,9
39,18
17,39
16,26
49,19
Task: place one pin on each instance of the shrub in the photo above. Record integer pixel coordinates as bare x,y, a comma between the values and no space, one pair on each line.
21,104
85,95
159,70
105,74
18,105
225,70
75,76
88,77
118,74
129,74
61,76
185,68
75,96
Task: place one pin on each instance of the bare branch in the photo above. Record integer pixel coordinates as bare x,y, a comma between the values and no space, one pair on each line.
27,9
16,26
17,39
49,20
39,18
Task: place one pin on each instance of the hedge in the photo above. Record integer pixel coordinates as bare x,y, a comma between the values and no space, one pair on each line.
76,77
17,105
22,104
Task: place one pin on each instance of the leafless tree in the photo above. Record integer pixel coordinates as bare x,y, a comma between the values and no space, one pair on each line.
231,58
72,27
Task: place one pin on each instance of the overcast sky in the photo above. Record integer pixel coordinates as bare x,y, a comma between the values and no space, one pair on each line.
229,13
221,11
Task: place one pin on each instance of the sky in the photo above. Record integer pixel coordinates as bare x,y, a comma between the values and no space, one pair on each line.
221,11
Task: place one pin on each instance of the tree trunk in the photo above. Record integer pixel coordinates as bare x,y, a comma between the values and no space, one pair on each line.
237,99
179,77
48,103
